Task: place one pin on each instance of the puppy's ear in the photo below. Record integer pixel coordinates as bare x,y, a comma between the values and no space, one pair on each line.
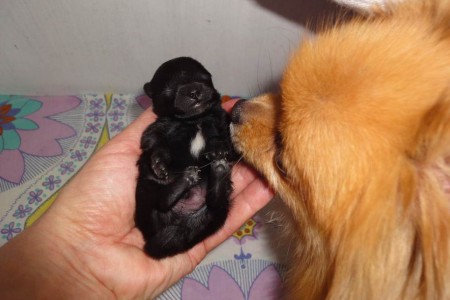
148,89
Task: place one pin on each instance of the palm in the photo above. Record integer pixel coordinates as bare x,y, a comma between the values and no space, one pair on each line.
97,210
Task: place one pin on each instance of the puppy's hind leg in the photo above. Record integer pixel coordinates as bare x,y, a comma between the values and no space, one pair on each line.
167,242
170,194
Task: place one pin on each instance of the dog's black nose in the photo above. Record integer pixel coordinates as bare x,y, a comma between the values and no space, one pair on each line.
236,112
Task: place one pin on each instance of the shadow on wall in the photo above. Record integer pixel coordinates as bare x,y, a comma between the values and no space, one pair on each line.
312,14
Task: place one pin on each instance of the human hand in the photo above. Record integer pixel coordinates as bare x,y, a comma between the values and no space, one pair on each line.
87,240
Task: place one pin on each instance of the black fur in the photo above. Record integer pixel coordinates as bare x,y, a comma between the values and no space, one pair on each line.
182,198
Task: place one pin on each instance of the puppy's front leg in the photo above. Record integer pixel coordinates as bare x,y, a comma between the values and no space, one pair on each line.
218,145
155,159
219,190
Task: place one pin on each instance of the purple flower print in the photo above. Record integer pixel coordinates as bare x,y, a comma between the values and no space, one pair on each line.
22,211
89,141
92,127
116,127
10,230
222,286
50,182
35,196
96,104
115,114
268,285
96,115
66,168
78,155
119,103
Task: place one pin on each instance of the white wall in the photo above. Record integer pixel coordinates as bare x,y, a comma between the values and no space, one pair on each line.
75,46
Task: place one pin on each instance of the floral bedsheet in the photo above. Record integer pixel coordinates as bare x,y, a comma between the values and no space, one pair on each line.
44,141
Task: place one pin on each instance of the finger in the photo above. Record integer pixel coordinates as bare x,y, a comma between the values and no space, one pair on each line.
134,238
241,176
135,129
175,267
229,104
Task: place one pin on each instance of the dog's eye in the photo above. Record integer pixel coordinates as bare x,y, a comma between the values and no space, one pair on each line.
277,157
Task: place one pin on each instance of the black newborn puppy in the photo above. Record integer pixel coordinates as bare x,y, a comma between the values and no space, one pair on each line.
184,184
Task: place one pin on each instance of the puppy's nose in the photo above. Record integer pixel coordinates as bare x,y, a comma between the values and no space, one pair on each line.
195,94
236,112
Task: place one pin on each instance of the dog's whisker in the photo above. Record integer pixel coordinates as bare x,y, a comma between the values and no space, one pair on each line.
238,160
204,166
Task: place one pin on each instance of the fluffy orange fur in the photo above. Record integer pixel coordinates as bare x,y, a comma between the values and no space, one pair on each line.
364,120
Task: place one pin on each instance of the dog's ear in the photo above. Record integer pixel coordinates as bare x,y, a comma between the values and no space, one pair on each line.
432,166
432,149
148,89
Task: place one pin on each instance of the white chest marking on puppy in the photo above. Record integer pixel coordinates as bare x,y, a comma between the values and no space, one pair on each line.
197,143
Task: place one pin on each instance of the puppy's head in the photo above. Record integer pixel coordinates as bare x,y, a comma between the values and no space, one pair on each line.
181,88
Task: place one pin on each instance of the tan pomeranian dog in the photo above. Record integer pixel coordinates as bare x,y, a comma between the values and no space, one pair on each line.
357,146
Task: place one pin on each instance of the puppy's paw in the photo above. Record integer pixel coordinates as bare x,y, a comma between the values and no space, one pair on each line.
159,168
220,166
218,151
192,175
